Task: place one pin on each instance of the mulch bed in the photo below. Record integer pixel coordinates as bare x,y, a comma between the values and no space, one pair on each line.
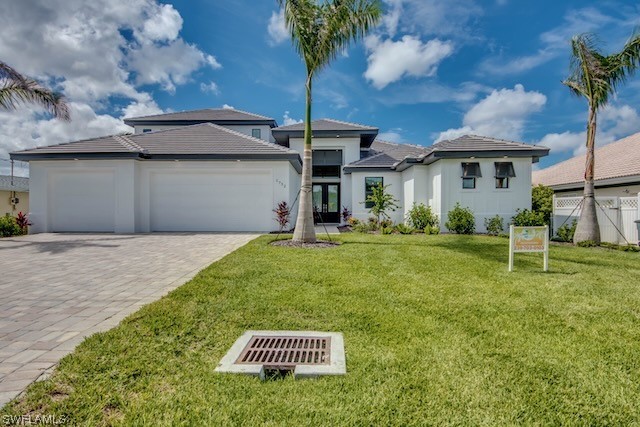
320,244
345,229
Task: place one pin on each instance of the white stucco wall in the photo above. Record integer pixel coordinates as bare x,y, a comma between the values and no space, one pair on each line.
7,208
123,191
396,188
416,187
485,200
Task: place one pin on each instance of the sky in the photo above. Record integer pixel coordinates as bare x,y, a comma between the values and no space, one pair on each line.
431,70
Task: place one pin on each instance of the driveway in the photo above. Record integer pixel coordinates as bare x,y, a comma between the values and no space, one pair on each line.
57,289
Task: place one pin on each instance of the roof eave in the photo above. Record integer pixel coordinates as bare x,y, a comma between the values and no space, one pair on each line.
157,122
26,157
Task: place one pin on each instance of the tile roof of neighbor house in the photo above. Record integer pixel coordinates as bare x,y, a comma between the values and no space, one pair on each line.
389,155
199,141
20,184
204,115
620,159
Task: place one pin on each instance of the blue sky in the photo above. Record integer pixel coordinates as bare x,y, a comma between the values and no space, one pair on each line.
431,70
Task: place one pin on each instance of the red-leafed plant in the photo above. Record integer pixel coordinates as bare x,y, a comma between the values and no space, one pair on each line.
283,213
346,214
23,222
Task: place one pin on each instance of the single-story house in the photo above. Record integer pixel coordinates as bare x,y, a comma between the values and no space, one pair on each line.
14,195
617,171
226,170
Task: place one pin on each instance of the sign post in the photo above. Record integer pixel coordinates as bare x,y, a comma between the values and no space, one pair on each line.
529,239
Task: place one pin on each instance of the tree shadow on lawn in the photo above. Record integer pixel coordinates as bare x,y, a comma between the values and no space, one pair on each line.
61,246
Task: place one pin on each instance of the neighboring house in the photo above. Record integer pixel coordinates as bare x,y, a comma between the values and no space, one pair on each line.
14,195
210,170
617,171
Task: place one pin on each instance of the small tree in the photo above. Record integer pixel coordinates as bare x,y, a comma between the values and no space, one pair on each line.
494,226
461,220
383,202
542,201
282,215
421,216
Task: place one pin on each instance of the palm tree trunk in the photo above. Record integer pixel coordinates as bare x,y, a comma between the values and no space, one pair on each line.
305,231
588,228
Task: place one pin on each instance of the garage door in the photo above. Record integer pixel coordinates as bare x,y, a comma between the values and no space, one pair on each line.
82,202
211,201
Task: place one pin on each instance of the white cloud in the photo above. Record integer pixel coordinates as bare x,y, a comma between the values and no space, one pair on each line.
228,107
210,87
80,48
555,42
390,60
392,135
277,28
502,114
287,120
614,122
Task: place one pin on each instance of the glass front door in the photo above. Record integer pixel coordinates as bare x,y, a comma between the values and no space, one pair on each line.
326,203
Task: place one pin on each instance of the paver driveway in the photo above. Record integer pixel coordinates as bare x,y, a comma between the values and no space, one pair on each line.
57,289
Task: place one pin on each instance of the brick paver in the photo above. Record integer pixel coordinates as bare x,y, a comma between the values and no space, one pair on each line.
57,289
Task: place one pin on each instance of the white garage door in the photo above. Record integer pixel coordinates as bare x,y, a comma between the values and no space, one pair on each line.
82,202
210,201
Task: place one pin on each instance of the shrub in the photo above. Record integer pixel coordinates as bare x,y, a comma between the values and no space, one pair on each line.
431,229
382,201
386,230
624,248
527,218
23,222
542,201
346,214
494,226
386,223
587,244
404,229
461,220
565,232
353,221
9,227
373,223
282,215
421,216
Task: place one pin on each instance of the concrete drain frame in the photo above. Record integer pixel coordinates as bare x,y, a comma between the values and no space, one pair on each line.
305,354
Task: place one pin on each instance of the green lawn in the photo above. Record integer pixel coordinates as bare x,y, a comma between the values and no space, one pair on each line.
436,332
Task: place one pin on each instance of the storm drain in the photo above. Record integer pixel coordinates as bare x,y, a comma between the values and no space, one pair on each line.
302,353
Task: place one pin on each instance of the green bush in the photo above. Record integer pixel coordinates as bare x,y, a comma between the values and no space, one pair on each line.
431,229
461,220
386,230
542,201
9,227
421,216
527,218
404,229
494,226
587,244
624,248
386,223
565,232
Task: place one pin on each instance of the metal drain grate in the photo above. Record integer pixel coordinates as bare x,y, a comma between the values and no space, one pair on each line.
286,350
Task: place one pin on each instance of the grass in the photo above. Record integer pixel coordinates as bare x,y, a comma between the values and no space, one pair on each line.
436,332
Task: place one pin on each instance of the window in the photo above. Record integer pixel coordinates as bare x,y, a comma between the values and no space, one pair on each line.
504,171
256,133
470,171
146,130
327,163
369,184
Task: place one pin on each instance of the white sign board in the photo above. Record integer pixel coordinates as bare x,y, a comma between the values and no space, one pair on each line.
529,239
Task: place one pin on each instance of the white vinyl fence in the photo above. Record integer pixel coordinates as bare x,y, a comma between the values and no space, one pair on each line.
614,213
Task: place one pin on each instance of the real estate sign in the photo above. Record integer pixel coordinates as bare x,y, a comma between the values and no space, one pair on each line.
529,239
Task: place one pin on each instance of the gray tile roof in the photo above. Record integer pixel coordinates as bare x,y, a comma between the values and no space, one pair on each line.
619,159
20,184
204,115
327,125
483,143
390,155
204,139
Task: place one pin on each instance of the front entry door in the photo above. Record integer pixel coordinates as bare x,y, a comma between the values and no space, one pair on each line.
326,203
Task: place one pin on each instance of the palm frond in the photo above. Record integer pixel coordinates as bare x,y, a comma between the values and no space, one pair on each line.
15,92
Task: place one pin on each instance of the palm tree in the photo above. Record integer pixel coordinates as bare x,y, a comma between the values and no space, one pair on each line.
320,30
596,77
17,89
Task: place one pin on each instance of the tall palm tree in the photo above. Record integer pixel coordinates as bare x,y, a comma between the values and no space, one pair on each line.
596,77
320,30
17,89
